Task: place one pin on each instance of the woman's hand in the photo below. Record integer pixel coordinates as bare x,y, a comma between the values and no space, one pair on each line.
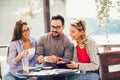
73,65
24,53
20,55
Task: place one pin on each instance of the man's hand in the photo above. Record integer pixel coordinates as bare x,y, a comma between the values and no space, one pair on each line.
52,59
40,59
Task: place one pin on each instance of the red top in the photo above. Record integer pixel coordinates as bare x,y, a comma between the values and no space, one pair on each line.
82,55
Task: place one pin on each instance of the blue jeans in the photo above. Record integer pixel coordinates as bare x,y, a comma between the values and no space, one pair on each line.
83,76
52,78
9,76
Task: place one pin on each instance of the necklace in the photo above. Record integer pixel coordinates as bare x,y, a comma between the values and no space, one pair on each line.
81,45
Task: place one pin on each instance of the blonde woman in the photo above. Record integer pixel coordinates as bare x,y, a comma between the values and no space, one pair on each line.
85,54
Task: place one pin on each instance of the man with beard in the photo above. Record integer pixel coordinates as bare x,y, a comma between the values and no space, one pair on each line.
54,47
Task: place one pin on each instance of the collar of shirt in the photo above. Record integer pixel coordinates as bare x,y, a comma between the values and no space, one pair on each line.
32,41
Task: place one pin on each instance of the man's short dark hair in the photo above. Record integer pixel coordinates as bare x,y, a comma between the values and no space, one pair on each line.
58,17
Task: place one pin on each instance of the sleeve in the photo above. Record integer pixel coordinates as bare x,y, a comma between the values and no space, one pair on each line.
94,60
69,50
12,55
40,47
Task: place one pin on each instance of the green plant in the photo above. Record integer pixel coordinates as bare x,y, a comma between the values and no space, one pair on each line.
103,8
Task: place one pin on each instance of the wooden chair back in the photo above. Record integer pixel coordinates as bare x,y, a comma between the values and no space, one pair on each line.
109,60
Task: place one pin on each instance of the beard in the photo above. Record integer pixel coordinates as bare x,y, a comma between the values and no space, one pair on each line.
56,34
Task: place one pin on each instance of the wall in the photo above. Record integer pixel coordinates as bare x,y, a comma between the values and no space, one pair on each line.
8,10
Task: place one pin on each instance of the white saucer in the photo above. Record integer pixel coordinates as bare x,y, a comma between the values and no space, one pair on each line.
47,67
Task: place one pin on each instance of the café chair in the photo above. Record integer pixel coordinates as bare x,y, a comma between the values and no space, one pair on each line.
109,65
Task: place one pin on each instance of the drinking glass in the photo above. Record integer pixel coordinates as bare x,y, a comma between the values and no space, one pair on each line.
25,64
